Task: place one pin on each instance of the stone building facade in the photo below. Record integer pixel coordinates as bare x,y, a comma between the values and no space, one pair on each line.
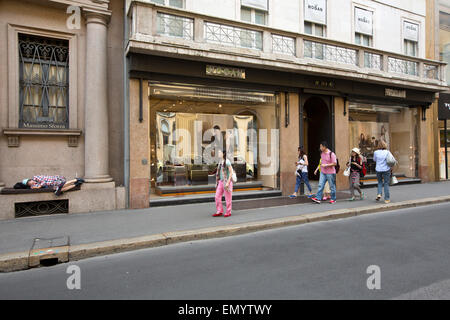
61,92
137,98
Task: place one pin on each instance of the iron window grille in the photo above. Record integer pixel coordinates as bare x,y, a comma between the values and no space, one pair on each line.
284,45
233,36
175,26
43,82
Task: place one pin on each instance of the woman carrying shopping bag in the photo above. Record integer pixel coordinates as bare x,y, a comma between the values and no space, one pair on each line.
224,184
355,167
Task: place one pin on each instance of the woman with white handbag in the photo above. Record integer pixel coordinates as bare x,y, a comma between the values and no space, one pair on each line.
225,177
353,171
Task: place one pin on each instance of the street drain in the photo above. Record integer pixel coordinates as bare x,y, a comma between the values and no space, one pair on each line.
48,262
49,252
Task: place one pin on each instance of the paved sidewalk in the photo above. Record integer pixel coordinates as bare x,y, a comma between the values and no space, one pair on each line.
17,235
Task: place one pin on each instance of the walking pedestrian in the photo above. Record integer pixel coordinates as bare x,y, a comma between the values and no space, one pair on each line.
327,173
383,171
301,173
224,184
326,189
356,166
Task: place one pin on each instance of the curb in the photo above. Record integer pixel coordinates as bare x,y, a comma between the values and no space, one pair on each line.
19,260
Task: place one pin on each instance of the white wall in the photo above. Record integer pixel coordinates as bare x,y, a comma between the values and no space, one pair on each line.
288,15
226,9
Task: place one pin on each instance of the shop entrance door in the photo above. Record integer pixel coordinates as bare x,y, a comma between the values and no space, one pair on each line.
317,127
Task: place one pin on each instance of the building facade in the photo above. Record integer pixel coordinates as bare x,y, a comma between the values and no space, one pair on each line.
281,75
140,97
61,91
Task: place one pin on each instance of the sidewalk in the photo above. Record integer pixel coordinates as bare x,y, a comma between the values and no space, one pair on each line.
17,235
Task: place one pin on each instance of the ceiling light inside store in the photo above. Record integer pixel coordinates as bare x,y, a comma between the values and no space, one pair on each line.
210,93
374,108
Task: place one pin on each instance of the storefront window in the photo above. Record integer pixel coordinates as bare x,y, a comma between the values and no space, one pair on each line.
397,126
191,124
443,171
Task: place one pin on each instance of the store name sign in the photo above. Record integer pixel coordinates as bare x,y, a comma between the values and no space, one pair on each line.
316,11
227,72
395,93
363,21
410,31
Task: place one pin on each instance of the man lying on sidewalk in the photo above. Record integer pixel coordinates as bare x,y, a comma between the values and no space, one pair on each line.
58,183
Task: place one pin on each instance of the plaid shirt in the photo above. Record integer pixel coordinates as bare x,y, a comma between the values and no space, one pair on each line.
48,181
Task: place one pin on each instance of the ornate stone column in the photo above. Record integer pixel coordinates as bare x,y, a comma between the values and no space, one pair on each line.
96,100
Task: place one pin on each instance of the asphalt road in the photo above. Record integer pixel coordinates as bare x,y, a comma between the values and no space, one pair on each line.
324,260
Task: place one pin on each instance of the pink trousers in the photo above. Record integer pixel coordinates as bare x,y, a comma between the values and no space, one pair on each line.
220,190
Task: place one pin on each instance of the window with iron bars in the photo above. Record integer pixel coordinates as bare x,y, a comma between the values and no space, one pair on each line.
43,82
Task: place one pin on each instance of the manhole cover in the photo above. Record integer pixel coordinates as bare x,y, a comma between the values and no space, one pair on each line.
49,251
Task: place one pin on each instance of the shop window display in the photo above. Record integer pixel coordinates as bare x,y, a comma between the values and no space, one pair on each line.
397,126
189,124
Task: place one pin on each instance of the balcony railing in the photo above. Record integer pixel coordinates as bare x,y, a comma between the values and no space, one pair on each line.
200,29
175,26
373,61
403,66
321,51
233,36
283,45
431,71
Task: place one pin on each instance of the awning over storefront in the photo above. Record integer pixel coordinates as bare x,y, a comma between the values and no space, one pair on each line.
444,106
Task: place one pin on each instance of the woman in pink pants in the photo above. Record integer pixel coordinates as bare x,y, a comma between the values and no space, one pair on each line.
224,184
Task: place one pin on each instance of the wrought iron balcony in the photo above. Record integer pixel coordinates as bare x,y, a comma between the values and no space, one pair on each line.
170,28
233,36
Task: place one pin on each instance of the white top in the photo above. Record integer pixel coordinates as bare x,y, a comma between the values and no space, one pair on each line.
302,166
379,156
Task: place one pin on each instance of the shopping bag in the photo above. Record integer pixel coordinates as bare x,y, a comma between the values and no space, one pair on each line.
347,172
394,180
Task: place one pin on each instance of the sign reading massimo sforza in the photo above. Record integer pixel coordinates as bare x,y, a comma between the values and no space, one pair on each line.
316,11
363,21
227,72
